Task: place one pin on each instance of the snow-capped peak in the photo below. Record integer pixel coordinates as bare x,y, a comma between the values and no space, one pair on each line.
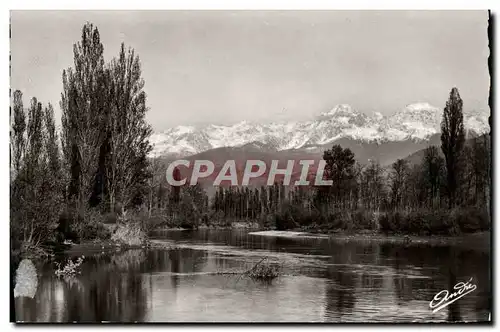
418,107
378,116
419,120
416,121
340,110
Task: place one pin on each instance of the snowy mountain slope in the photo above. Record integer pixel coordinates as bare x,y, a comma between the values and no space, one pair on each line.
416,122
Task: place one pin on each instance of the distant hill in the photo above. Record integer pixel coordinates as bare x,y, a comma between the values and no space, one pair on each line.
417,157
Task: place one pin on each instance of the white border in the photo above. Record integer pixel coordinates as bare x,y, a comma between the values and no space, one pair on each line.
256,4
191,4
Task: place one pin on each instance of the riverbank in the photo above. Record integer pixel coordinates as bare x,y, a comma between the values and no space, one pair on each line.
247,224
101,246
410,227
479,240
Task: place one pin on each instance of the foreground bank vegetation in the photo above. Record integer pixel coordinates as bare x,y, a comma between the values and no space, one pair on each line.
65,182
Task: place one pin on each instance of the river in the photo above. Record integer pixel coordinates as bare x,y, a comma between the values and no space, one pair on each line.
324,280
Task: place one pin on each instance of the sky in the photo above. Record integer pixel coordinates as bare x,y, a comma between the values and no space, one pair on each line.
223,67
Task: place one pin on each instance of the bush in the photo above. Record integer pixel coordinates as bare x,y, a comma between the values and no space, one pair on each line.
85,224
129,233
292,216
216,219
69,269
435,222
264,271
284,221
110,218
471,220
65,229
361,220
96,231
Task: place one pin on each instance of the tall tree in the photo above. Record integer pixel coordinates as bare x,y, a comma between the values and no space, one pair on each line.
34,196
35,140
52,156
340,168
373,186
433,168
51,144
416,187
129,140
399,179
18,140
452,141
83,112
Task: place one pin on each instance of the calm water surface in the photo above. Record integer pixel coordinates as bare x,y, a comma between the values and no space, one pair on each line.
325,280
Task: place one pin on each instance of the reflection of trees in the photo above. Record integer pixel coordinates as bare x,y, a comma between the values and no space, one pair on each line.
25,308
372,282
403,259
175,261
30,309
112,293
404,289
448,264
340,293
109,289
441,266
129,259
175,266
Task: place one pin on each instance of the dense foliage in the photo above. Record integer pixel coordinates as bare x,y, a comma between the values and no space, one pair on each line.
61,188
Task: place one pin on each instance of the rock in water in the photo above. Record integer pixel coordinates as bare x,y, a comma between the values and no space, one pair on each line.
26,279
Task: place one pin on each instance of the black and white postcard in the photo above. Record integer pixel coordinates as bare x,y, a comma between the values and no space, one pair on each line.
251,166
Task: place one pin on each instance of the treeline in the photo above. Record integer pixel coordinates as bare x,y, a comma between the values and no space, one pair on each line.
36,186
456,176
359,192
244,203
61,181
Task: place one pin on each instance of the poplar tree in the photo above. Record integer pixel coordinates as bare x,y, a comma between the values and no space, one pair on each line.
399,177
433,165
83,108
18,141
452,141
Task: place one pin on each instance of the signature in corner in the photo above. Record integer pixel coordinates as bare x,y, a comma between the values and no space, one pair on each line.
444,297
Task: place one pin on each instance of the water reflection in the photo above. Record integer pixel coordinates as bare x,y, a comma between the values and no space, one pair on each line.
325,280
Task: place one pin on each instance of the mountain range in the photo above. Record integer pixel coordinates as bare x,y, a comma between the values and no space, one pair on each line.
414,127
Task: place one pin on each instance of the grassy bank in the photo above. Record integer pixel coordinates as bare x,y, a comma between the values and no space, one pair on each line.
131,230
206,221
420,222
